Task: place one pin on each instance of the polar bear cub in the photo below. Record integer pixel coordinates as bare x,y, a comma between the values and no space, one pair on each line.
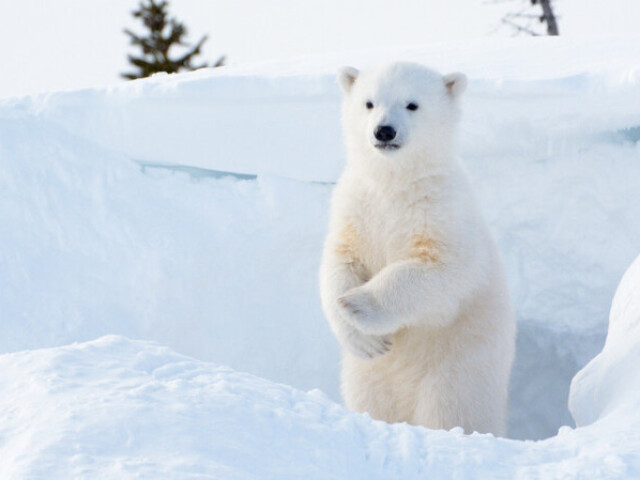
411,281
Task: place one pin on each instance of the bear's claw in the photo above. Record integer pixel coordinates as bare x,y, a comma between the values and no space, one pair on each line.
359,308
366,346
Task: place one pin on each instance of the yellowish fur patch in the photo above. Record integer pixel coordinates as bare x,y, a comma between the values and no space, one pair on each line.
348,242
424,248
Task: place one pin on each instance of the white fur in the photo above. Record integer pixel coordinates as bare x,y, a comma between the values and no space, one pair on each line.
411,281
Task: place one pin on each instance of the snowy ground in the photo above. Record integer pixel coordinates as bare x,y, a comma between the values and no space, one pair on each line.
117,408
98,240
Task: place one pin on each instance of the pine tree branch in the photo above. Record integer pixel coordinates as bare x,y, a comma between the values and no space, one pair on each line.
185,60
130,76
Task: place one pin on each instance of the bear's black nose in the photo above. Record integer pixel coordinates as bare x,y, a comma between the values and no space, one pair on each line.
385,133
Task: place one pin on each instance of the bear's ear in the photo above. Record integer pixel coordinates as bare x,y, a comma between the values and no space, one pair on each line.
456,84
347,77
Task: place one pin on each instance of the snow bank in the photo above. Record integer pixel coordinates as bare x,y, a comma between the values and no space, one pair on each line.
116,408
280,118
225,269
608,388
217,268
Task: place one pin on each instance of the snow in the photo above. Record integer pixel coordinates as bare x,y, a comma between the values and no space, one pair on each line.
293,106
134,409
609,386
122,213
45,39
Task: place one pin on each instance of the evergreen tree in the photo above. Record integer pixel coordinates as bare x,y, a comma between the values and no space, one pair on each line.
164,33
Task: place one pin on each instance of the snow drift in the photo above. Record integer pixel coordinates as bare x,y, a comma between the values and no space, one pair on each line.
607,389
133,409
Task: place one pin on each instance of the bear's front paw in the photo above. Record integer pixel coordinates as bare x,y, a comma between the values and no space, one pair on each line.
366,346
363,311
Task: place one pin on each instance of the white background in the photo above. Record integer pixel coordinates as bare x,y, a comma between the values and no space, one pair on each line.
69,44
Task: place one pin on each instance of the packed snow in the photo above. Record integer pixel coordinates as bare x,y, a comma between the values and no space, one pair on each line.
190,210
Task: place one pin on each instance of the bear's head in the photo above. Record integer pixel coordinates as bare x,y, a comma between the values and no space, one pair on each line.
399,112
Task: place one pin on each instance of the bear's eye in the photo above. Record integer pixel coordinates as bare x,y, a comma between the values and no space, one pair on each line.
369,105
412,106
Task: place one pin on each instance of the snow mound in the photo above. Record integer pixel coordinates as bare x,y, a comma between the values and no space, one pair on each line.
609,386
117,408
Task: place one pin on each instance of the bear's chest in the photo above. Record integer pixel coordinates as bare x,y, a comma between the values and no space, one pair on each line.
395,228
